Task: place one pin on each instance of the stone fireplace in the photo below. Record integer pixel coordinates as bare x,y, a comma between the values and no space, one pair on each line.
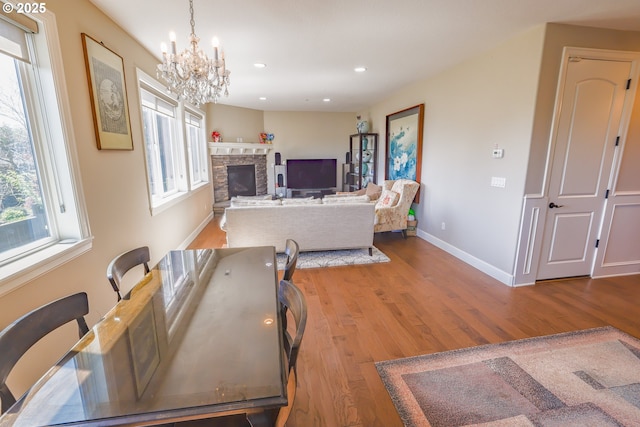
238,164
241,180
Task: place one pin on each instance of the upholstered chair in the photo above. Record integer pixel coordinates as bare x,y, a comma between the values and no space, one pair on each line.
393,205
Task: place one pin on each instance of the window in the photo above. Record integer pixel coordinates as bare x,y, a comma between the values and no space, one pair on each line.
162,154
43,221
175,145
196,148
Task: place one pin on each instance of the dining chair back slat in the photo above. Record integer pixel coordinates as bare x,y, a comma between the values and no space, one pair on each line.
291,250
292,300
23,333
119,266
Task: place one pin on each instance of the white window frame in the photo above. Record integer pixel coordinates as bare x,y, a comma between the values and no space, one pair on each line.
196,150
51,124
180,146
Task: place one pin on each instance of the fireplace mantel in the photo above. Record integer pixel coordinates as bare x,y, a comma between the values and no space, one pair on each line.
238,148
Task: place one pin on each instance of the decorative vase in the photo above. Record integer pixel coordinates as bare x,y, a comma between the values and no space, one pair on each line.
216,139
362,126
365,142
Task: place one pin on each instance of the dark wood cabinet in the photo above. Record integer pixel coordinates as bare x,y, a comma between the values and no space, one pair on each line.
362,166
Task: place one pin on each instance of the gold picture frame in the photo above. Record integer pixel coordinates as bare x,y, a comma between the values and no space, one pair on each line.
108,91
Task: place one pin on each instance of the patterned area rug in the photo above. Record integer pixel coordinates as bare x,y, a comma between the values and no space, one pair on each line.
584,378
335,258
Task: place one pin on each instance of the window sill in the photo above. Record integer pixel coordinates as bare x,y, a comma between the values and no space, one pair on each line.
22,271
175,199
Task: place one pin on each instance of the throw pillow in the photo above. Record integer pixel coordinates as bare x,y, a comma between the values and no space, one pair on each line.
387,199
373,191
360,192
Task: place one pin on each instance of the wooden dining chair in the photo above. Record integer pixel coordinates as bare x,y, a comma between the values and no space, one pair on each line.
291,301
22,334
119,266
291,250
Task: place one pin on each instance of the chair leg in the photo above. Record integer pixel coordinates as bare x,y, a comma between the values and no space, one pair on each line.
404,234
370,251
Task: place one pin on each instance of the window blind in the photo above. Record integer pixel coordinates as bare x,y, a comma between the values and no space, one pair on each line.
13,34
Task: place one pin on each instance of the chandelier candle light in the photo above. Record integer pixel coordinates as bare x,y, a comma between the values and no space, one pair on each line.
191,75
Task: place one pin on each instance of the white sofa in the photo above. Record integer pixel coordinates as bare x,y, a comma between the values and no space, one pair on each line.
314,226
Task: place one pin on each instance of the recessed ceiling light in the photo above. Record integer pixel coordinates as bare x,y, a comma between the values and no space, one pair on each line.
263,98
259,65
360,69
326,100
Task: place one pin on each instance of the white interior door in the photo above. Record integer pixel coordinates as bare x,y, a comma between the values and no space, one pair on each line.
585,139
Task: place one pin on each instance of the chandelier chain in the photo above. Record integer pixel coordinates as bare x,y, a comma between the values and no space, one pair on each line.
193,21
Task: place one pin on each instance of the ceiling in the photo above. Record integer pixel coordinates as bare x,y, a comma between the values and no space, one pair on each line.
311,47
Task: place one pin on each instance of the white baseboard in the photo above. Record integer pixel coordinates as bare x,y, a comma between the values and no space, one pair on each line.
483,266
195,232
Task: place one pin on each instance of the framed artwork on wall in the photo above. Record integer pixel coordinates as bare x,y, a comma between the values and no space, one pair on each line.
404,144
105,75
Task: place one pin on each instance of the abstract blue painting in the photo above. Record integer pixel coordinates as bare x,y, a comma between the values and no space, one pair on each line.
404,143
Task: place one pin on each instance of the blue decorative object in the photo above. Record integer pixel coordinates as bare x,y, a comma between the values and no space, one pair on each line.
366,156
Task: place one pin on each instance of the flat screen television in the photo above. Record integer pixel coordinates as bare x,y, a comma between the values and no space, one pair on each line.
311,173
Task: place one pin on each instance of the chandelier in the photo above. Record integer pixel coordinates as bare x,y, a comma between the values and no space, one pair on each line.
191,75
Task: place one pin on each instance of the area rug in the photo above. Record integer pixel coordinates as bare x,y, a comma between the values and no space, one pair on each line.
335,258
584,378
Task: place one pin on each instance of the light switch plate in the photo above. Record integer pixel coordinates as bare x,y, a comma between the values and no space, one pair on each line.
497,153
497,181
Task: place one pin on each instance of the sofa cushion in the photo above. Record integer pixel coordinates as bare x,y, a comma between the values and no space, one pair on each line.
261,197
346,199
253,202
302,201
387,199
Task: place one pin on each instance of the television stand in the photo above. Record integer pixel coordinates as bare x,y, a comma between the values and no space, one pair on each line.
317,193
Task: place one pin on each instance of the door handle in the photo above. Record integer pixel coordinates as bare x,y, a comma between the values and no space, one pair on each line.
553,205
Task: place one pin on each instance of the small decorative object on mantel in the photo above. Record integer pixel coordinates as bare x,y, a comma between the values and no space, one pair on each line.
362,125
216,136
266,138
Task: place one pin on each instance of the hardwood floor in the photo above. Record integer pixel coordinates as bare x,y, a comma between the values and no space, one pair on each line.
423,301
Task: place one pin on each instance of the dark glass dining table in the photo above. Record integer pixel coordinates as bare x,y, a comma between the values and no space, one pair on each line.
197,337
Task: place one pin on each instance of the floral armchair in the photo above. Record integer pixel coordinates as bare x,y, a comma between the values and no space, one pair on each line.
393,205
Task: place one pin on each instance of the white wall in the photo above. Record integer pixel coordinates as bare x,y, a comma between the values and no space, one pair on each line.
469,109
297,134
309,135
